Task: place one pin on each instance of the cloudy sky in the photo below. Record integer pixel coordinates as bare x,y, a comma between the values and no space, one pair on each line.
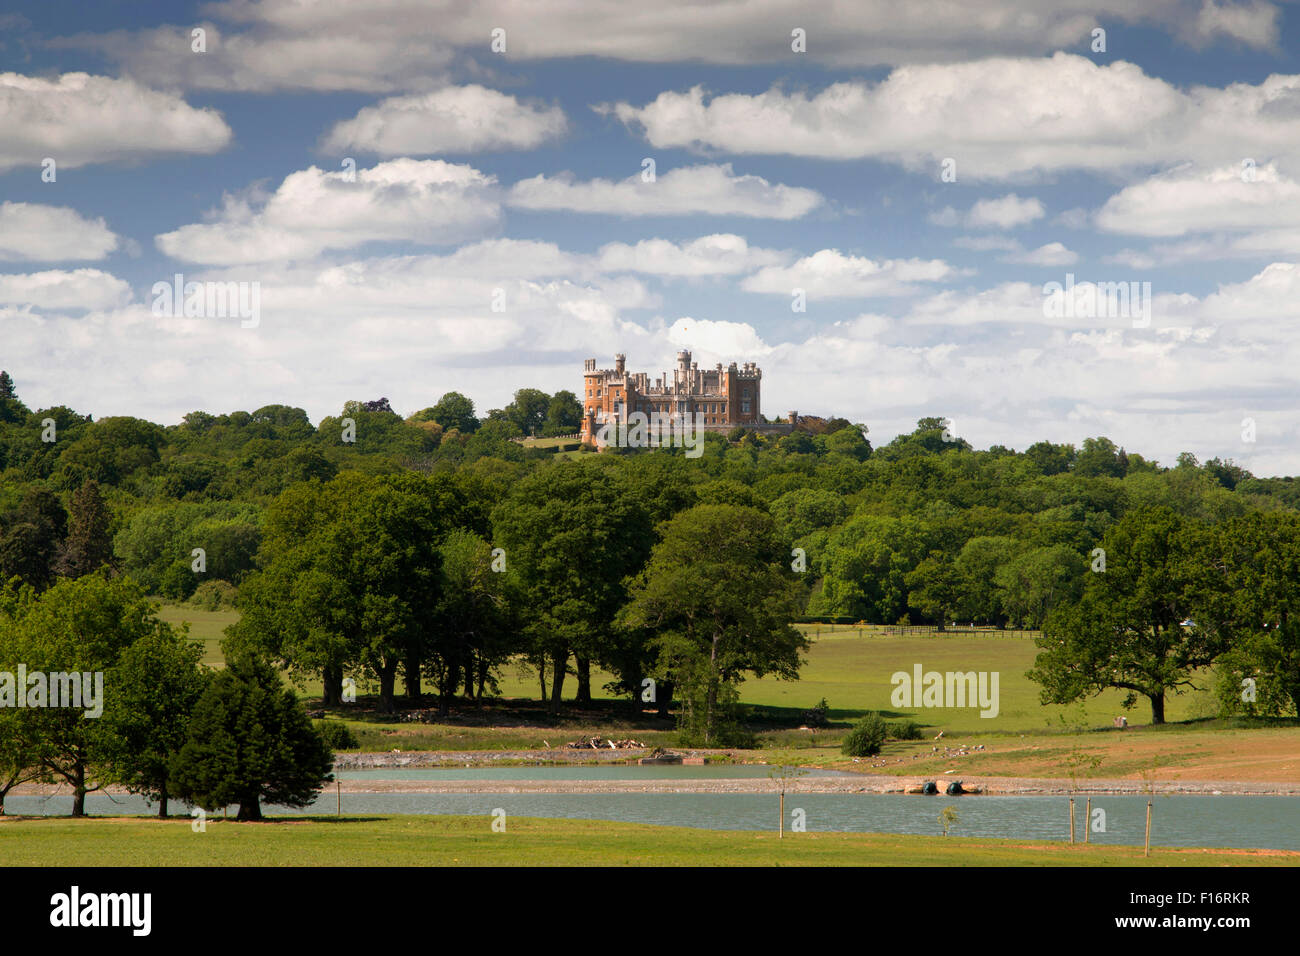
442,195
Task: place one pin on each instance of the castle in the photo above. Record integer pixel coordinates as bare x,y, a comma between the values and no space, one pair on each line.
717,399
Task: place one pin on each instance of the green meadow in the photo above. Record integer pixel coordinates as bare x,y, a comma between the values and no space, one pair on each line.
206,626
849,667
470,841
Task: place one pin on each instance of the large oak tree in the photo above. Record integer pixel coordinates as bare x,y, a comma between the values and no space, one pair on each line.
1128,631
718,594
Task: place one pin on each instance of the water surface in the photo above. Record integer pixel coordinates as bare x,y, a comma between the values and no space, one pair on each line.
1177,820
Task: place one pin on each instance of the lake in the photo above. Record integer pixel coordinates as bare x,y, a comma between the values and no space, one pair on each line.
1177,820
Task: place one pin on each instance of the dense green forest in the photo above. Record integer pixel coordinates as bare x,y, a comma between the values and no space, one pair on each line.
433,548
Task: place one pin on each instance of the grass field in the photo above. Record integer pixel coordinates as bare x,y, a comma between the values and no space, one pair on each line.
851,668
1211,750
469,841
853,674
545,733
205,626
564,444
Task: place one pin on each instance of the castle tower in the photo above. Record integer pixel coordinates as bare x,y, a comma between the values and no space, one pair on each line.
721,397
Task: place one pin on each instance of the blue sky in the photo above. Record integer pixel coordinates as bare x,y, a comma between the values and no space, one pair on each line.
775,171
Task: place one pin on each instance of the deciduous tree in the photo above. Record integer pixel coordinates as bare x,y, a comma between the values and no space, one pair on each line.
719,596
1127,630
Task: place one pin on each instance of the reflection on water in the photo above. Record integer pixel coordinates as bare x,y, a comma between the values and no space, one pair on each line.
1178,820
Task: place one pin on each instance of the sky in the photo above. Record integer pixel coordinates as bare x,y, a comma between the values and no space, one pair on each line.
881,204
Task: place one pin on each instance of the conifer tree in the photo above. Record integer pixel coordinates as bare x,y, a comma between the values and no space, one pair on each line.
250,740
88,545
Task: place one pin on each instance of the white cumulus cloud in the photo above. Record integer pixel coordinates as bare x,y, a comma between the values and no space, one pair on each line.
997,118
1050,254
30,232
689,190
719,254
58,289
419,201
454,119
1005,212
400,44
1190,199
713,340
831,274
76,119
1254,24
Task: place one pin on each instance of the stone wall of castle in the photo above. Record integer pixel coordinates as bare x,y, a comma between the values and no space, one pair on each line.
721,398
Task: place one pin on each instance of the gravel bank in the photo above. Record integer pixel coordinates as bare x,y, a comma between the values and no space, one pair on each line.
812,782
496,758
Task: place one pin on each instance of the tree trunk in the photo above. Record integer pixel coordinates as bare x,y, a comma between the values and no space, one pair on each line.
558,661
411,674
664,696
249,810
584,681
710,703
79,790
469,675
541,676
444,692
332,678
1157,707
453,677
162,804
712,699
387,680
482,676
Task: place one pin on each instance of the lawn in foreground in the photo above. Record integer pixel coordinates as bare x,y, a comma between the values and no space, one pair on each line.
469,841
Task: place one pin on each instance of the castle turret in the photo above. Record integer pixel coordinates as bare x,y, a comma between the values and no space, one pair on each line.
721,397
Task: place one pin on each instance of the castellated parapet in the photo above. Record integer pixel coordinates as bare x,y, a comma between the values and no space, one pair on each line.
718,399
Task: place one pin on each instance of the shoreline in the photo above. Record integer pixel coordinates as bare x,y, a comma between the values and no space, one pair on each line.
815,780
812,783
